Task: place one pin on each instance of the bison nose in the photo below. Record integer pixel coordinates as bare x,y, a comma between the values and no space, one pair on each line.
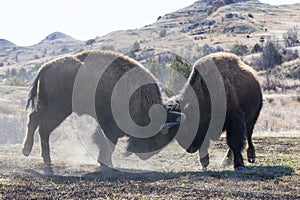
191,150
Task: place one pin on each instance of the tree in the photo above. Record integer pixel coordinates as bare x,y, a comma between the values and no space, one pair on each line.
135,48
13,72
239,49
90,42
179,65
256,48
163,33
291,37
270,56
176,82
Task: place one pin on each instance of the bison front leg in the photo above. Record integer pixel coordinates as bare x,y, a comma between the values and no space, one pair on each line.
31,127
236,133
106,148
204,158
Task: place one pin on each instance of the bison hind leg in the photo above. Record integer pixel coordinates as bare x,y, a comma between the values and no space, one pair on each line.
32,125
236,133
50,120
250,151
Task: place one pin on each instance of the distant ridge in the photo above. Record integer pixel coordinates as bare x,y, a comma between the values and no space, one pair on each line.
57,36
6,43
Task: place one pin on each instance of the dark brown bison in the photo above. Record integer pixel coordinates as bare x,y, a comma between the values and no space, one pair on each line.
232,102
95,83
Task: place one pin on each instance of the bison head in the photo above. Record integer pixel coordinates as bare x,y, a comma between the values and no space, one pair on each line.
145,148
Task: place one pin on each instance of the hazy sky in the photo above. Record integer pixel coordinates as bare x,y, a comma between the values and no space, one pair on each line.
28,22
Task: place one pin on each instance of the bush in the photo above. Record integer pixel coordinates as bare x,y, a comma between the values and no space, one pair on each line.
250,15
64,50
163,33
108,47
1,64
16,82
291,37
90,42
207,50
256,48
269,59
211,10
289,54
13,72
270,56
175,82
135,48
239,49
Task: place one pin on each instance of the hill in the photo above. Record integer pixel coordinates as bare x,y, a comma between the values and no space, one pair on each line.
6,43
193,31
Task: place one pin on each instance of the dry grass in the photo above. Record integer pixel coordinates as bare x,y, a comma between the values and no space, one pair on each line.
275,175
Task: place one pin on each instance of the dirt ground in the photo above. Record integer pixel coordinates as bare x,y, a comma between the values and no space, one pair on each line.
172,174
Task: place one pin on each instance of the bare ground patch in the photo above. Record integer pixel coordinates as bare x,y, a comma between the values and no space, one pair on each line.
274,175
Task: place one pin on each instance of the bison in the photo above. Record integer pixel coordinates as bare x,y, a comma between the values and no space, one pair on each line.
95,83
233,105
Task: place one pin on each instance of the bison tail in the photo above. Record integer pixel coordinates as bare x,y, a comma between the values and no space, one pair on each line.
33,93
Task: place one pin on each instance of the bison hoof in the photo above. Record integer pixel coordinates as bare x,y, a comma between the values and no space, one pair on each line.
106,169
239,168
25,152
251,160
204,161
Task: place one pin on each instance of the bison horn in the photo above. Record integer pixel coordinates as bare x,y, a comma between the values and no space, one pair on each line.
182,115
165,127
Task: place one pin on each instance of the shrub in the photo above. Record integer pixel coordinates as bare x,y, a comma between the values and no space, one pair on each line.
239,49
289,54
13,72
135,48
256,48
175,82
1,64
291,37
163,33
16,82
90,42
270,56
250,15
207,50
64,50
37,66
108,47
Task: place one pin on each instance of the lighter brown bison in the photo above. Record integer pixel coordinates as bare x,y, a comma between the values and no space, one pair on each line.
85,83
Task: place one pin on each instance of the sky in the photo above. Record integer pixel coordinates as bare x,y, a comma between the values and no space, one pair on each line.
28,22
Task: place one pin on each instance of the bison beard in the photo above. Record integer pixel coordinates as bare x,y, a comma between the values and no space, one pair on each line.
52,97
